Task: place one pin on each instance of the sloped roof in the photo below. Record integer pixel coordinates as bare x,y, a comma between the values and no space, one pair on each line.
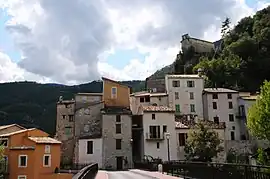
11,125
44,140
157,109
16,132
219,90
193,76
184,123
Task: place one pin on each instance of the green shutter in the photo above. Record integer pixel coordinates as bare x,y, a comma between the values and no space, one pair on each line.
177,108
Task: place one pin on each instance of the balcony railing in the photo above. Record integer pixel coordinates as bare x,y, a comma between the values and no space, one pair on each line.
154,136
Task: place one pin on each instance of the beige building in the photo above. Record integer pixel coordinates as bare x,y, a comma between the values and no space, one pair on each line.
185,94
200,46
183,126
221,105
145,98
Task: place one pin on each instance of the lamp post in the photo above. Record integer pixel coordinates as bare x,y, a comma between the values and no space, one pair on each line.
167,135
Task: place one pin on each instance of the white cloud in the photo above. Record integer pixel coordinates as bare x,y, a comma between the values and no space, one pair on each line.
68,41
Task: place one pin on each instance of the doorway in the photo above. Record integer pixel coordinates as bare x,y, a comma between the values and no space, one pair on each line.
119,163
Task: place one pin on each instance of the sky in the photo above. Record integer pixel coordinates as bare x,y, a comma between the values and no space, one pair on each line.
77,41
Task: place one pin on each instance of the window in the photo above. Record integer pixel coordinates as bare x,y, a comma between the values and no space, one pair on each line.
118,128
216,119
118,118
233,127
232,135
114,92
47,160
190,84
157,145
89,147
230,105
4,142
70,118
176,95
147,98
177,108
229,96
64,116
231,117
182,139
215,96
153,116
118,144
192,107
142,100
214,105
22,177
191,95
176,83
68,130
154,132
242,110
47,149
22,161
164,128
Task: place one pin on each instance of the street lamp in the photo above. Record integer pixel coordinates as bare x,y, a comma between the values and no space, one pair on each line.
168,135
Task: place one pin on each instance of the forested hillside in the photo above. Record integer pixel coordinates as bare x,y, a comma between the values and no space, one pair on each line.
34,105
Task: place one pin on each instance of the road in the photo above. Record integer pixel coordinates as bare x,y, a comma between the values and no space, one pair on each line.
132,174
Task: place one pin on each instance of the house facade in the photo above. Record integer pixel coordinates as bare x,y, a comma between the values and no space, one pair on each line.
221,105
31,154
158,121
65,128
116,126
185,94
183,126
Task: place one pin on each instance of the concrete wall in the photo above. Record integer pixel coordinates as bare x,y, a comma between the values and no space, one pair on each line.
109,141
96,157
150,146
223,112
184,94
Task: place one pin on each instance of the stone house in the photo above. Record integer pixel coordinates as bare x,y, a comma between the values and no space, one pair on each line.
116,126
65,128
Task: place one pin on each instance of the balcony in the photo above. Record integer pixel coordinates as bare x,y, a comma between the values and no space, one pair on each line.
154,137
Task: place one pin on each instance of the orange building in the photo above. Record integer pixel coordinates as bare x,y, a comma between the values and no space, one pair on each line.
31,154
115,94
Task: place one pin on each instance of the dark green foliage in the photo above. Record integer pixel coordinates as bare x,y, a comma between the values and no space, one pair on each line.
203,144
34,105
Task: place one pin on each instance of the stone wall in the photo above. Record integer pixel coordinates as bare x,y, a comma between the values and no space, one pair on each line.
159,84
109,141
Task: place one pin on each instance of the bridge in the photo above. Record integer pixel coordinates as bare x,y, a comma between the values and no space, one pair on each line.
132,174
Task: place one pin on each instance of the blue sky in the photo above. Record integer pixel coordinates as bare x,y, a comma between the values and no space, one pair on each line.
119,59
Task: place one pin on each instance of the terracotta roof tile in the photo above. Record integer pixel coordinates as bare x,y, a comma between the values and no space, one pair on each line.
181,122
44,140
157,109
16,132
219,90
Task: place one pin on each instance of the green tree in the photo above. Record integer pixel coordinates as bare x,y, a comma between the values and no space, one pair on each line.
225,27
202,144
258,120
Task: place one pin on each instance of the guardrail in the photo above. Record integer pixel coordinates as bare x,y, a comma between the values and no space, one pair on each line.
88,172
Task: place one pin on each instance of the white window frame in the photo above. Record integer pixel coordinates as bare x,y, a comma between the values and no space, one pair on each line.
19,161
50,160
22,176
114,96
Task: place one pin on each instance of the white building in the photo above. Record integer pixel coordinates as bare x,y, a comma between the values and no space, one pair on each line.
185,94
158,120
147,99
183,127
90,151
221,105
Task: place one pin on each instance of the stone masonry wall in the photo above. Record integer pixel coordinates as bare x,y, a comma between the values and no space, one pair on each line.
109,141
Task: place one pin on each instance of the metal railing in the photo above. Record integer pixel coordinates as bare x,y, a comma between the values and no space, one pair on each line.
88,172
202,170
